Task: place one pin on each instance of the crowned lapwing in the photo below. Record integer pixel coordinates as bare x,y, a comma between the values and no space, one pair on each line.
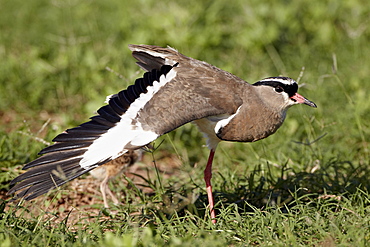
112,169
175,90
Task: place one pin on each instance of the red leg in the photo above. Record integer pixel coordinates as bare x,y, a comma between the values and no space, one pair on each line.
207,178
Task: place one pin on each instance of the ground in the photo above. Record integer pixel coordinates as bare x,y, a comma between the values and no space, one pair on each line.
81,199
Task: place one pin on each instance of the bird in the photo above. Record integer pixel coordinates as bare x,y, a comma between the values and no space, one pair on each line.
174,90
112,169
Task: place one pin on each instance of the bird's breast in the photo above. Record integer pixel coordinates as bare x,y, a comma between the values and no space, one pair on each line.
250,125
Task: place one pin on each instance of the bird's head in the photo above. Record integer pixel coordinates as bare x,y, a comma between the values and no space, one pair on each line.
281,92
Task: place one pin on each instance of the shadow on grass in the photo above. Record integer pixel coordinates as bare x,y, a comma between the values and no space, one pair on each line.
333,182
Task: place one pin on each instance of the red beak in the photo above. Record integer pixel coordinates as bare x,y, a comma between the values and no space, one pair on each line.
302,100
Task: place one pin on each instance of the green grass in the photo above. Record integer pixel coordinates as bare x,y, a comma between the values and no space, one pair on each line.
306,185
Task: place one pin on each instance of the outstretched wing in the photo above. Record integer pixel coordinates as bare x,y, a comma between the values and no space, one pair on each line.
175,90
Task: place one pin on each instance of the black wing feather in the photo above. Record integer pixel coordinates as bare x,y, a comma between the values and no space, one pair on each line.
55,157
140,84
117,105
102,121
60,146
129,94
109,114
124,99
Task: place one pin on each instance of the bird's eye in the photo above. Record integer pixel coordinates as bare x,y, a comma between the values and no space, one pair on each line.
278,89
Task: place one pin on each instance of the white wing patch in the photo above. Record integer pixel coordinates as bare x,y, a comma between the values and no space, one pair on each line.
114,142
224,122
